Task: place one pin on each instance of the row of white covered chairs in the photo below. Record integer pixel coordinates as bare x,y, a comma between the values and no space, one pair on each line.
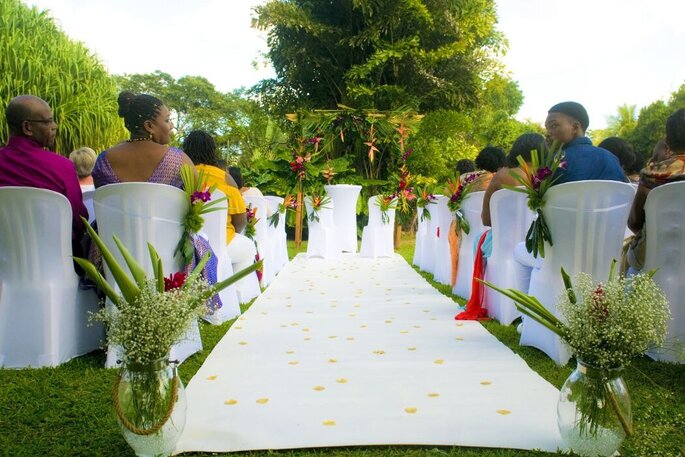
588,221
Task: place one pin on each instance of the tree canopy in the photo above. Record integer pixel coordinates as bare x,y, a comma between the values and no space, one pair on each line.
39,59
383,54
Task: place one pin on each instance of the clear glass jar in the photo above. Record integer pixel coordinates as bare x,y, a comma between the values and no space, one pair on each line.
150,403
594,412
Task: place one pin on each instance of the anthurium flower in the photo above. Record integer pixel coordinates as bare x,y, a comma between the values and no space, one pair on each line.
174,281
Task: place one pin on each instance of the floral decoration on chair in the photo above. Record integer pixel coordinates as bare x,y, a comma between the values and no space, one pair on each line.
538,178
385,203
252,219
424,198
199,195
289,204
317,202
457,190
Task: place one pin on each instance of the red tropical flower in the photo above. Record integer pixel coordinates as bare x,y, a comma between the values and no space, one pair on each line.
174,281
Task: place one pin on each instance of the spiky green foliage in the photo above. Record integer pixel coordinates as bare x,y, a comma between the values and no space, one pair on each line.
40,59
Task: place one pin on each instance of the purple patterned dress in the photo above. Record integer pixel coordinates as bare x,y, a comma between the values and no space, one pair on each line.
167,172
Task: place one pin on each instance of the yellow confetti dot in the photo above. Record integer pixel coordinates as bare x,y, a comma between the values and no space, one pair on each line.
332,361
426,310
288,298
288,306
434,318
231,402
404,331
293,362
433,394
332,337
379,352
503,412
388,321
357,305
237,327
318,388
438,361
211,378
262,401
352,314
334,306
308,338
289,352
243,343
459,338
341,381
410,410
411,349
294,324
350,338
417,326
363,326
305,329
485,383
241,319
460,324
328,423
264,313
284,325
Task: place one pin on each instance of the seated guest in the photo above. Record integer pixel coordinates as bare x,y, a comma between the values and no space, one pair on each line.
566,124
84,160
670,169
201,148
488,161
465,166
635,168
247,191
27,161
146,156
622,150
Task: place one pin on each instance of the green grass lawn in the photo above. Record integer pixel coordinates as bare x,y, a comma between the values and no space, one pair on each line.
67,410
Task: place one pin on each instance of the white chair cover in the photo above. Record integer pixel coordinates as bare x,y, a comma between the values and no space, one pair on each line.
442,268
262,236
344,198
214,230
665,251
43,313
322,241
427,260
139,213
587,220
471,209
377,236
88,203
421,234
511,219
279,234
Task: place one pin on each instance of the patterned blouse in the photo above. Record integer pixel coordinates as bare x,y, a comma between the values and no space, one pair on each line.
167,172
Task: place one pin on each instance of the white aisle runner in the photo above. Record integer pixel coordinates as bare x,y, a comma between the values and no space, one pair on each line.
363,352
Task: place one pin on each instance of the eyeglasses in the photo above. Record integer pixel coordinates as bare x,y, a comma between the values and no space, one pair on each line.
42,121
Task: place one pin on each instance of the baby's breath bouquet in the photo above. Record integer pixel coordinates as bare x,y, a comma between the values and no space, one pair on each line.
606,325
149,316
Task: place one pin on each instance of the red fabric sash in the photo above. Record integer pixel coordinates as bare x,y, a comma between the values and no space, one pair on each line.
474,307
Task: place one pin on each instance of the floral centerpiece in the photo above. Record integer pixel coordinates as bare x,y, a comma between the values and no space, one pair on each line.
457,190
199,195
385,203
537,180
606,325
252,219
317,201
289,204
424,198
149,316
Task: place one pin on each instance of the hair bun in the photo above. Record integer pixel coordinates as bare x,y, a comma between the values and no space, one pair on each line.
125,100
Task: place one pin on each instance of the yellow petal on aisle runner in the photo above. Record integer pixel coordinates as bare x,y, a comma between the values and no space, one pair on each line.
410,410
328,423
231,402
503,412
262,401
211,378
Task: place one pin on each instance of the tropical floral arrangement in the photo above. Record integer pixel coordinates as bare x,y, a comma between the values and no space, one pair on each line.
317,201
424,198
457,190
252,219
199,195
537,180
149,316
289,204
606,325
403,191
385,203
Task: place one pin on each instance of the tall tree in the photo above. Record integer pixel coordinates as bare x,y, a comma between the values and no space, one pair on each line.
381,54
39,59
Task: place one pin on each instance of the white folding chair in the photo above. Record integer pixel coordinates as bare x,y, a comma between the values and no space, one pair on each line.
471,209
214,229
421,233
345,198
322,241
43,313
587,220
665,251
262,235
511,219
442,266
88,203
273,257
278,233
377,235
139,213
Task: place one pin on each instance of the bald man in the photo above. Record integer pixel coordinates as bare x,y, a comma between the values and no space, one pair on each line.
26,160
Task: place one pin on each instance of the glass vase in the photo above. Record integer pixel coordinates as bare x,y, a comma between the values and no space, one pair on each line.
594,412
150,403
